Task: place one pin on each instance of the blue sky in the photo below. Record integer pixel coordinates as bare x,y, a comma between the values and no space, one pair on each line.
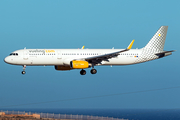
95,24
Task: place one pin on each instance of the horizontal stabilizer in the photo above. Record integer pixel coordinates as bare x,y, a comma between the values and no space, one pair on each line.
165,53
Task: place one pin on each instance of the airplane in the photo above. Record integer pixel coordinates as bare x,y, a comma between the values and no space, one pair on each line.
69,59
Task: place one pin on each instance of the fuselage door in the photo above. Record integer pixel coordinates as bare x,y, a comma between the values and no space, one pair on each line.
59,54
25,54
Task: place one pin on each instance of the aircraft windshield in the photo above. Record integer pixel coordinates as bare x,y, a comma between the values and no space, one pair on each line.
14,54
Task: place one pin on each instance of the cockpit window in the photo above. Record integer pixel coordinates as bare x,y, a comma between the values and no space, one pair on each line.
14,54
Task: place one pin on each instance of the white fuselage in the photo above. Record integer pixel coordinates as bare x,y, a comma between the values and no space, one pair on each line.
36,57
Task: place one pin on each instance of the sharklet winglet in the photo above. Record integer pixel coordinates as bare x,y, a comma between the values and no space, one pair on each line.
130,45
82,47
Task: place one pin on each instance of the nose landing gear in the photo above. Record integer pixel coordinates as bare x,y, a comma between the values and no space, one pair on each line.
24,72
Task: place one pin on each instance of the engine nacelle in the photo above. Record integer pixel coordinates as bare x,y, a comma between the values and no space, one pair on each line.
60,67
78,64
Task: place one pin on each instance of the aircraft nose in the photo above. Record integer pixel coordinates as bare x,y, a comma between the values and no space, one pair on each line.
7,60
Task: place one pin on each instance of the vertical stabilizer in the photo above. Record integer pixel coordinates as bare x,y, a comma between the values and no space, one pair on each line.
156,44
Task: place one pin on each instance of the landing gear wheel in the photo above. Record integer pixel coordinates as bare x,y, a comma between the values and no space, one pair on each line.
93,71
24,68
23,72
82,72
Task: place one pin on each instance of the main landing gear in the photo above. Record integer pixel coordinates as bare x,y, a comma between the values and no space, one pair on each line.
24,72
93,71
82,72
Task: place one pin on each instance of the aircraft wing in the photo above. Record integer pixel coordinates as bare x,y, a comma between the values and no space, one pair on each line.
106,56
97,59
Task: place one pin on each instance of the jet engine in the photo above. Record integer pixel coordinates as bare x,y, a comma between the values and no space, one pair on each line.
78,64
60,67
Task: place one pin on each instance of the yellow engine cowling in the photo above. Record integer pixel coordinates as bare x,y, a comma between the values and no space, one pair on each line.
60,67
78,64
